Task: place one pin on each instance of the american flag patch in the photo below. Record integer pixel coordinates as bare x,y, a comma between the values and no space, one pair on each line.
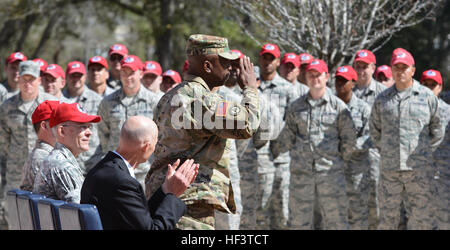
222,109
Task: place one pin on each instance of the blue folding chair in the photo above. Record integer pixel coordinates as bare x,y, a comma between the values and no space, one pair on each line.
28,211
79,217
49,213
13,211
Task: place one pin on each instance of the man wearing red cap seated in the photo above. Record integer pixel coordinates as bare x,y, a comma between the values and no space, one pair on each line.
44,143
98,76
115,55
77,91
17,138
130,100
10,87
152,77
273,172
61,177
406,127
170,79
54,80
383,74
320,135
358,167
367,89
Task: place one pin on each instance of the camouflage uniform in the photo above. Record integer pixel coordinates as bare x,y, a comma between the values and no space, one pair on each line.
34,164
406,127
90,102
442,160
6,92
274,174
358,167
445,96
368,95
442,176
231,221
17,139
60,177
320,136
107,92
204,142
114,111
252,151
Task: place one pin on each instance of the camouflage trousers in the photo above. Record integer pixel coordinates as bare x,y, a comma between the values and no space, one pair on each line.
226,221
413,188
441,208
250,193
358,196
199,216
373,203
327,191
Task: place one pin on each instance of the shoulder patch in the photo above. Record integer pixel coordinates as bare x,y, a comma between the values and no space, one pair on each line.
222,109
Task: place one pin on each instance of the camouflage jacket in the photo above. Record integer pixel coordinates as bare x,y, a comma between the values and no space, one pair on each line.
370,93
406,130
195,122
34,164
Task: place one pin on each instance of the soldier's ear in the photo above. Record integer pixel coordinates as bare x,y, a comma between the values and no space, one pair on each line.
207,66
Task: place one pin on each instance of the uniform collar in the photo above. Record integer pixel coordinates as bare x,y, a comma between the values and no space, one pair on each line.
66,152
325,98
198,79
139,95
43,145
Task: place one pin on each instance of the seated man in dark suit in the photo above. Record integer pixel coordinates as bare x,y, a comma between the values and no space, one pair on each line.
119,197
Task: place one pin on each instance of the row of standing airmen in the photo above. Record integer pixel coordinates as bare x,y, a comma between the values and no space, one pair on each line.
331,185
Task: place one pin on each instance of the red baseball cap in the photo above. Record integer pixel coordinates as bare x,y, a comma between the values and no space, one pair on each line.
347,72
172,74
365,56
291,58
133,62
384,69
55,70
237,52
16,56
317,65
401,55
75,67
118,49
186,65
42,63
271,49
152,67
71,112
305,58
43,111
432,75
99,60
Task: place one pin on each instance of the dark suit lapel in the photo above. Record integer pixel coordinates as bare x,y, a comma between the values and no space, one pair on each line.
119,162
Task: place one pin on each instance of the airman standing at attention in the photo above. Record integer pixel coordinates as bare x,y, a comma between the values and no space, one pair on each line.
115,55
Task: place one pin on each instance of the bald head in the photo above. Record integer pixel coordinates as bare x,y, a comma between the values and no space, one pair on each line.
137,130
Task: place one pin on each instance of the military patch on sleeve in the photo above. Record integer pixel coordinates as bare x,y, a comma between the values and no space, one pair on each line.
235,110
222,109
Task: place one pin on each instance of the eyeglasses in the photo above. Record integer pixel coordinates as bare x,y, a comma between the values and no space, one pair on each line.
115,57
83,126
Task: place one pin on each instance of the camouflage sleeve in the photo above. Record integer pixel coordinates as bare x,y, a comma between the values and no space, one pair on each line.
375,125
271,124
234,120
4,139
103,126
347,134
287,137
67,185
363,141
437,129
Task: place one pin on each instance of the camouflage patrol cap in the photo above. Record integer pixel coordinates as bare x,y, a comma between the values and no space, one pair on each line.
200,44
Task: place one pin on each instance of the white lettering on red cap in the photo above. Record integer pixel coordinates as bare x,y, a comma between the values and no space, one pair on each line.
342,69
269,47
41,63
129,59
431,73
305,57
117,47
401,55
81,109
383,67
362,54
170,73
18,55
76,65
291,56
96,59
50,67
315,62
150,66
